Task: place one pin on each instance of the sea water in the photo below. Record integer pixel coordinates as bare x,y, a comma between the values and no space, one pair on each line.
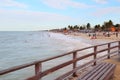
18,48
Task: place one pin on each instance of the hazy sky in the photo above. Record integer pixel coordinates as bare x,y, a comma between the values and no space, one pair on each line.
47,14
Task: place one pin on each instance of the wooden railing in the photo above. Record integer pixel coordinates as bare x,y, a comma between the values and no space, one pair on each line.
39,73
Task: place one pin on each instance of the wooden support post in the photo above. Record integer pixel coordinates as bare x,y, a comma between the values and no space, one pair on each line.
75,63
95,54
108,50
37,68
119,46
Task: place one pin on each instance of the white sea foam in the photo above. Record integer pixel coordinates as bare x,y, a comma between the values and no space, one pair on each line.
69,39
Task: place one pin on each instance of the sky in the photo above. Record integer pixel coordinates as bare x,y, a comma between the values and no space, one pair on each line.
30,15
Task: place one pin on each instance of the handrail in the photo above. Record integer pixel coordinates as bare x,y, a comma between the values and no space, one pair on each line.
38,64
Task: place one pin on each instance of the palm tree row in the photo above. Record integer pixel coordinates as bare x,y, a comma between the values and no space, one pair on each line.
107,26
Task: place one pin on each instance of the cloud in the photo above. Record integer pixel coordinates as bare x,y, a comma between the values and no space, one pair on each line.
12,3
33,15
20,19
62,4
101,1
118,0
104,11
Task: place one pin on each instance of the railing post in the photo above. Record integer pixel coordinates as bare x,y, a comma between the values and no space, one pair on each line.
95,53
75,63
108,50
37,68
119,48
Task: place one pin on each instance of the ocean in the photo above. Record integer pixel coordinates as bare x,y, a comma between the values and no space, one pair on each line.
20,47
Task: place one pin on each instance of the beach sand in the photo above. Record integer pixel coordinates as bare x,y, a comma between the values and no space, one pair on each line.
99,36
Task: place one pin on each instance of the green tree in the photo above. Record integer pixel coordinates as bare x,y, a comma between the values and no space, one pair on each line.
95,27
70,27
65,28
81,28
107,26
99,27
110,23
117,26
103,28
88,26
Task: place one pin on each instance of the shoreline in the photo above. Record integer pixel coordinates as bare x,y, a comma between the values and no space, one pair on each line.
99,36
84,37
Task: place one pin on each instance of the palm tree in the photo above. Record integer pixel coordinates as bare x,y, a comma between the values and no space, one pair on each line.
110,23
88,26
70,27
103,28
81,28
117,26
97,27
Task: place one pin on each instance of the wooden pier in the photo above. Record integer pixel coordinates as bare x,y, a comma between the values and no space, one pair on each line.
106,50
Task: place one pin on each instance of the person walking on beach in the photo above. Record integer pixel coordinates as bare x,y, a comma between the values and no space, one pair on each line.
89,34
108,34
116,34
93,36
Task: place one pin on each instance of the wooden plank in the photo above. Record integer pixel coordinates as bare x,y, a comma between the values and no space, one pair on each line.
102,50
114,47
106,43
95,73
106,49
106,75
74,70
16,68
106,68
104,72
85,76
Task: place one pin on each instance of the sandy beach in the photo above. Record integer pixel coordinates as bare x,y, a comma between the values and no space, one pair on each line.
99,36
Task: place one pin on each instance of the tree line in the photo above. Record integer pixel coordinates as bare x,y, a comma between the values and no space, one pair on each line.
107,26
